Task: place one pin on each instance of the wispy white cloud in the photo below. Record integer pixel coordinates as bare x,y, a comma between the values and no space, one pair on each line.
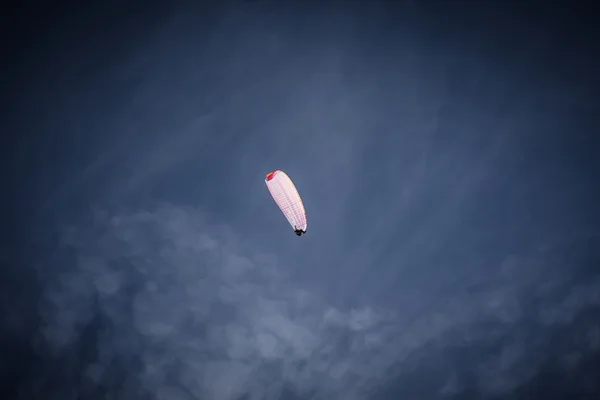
229,321
211,318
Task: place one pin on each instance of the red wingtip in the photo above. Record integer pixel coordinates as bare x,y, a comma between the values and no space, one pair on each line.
270,175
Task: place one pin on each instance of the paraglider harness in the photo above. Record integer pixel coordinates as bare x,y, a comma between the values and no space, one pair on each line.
299,232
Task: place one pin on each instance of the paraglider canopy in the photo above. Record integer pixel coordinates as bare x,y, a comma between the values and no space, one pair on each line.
288,199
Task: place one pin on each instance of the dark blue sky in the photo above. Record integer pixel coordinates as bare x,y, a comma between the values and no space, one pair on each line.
446,153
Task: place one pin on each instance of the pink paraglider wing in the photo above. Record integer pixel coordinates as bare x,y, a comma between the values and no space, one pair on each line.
286,196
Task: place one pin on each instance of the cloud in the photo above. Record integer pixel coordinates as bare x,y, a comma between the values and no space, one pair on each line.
196,313
205,316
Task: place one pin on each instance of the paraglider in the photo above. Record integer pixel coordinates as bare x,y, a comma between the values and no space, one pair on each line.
286,196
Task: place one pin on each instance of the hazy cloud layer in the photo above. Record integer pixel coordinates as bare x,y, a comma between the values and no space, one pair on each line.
205,317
